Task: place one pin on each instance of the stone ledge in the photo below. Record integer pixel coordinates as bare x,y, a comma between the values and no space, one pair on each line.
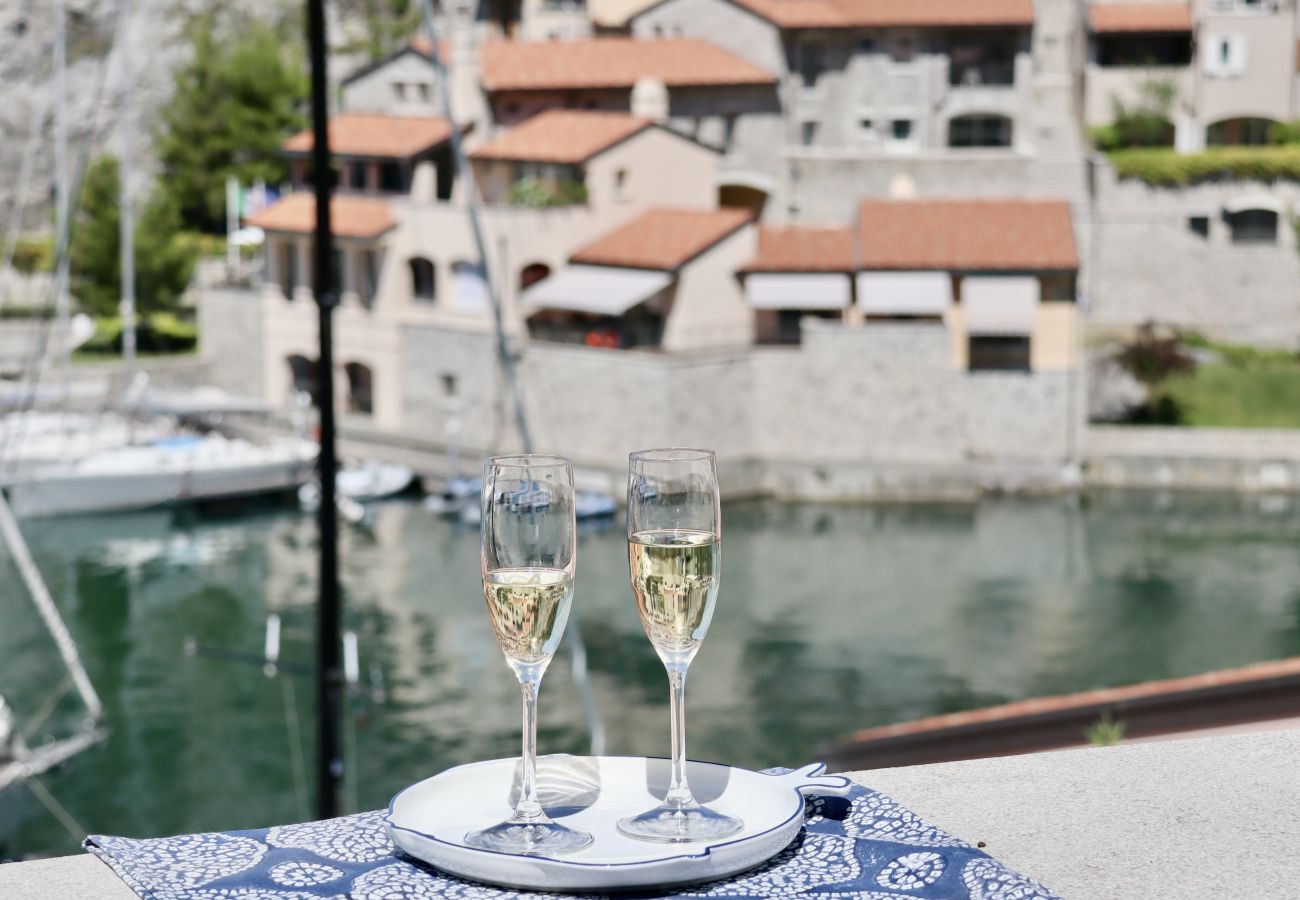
1210,818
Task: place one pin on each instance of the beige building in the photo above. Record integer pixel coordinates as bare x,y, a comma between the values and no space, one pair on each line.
919,98
998,275
405,252
1230,66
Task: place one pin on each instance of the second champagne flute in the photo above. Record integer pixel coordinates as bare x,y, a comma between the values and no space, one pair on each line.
529,559
674,526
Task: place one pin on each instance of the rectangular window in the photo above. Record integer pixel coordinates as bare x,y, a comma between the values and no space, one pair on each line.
811,61
808,133
391,178
356,176
425,92
1199,226
620,184
1144,50
288,268
901,131
368,277
976,58
990,353
399,91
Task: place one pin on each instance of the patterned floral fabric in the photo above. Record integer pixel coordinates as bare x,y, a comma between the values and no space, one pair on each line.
862,846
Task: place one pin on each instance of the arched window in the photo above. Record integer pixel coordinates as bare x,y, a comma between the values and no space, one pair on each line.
1253,226
979,130
470,287
304,374
360,388
423,279
530,275
1243,132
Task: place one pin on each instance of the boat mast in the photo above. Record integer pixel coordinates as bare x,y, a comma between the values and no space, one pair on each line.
127,214
62,213
471,208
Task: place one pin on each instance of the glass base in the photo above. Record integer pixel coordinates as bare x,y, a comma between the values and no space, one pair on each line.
678,824
544,838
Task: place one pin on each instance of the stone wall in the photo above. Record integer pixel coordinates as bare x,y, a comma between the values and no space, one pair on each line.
1147,263
1245,459
231,340
853,412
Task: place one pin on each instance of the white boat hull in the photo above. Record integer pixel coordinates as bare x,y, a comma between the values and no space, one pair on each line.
145,479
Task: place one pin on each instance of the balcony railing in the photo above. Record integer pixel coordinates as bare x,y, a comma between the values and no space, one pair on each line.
984,74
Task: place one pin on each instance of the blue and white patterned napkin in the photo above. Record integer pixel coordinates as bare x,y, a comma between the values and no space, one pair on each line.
862,846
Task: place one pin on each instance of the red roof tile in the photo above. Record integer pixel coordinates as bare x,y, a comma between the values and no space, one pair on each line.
663,239
1119,18
966,234
350,217
612,63
563,136
803,250
372,134
893,13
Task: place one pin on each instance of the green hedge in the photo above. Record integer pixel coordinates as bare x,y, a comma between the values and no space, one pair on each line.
1164,167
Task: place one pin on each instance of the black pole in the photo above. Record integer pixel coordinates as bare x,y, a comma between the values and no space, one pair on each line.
329,758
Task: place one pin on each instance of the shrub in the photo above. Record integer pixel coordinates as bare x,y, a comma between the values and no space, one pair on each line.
1284,132
34,254
1161,167
538,194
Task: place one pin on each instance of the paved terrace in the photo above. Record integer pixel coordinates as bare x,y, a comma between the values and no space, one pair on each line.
1215,817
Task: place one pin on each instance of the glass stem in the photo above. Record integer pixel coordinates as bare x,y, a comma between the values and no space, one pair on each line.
529,808
679,791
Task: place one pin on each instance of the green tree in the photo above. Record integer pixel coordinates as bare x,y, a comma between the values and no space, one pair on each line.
94,251
234,104
164,255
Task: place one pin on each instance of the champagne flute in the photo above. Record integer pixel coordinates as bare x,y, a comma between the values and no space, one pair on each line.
529,555
674,528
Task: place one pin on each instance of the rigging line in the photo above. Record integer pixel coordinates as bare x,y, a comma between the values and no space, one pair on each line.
49,612
56,809
471,209
19,208
299,766
38,718
41,344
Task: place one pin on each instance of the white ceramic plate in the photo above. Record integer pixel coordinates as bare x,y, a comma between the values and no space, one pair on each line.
429,820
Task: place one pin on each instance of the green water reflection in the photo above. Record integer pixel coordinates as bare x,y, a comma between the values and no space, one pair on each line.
830,619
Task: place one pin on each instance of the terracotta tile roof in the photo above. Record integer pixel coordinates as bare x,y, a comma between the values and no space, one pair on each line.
663,239
1118,18
803,250
613,62
966,234
372,134
892,13
563,136
350,217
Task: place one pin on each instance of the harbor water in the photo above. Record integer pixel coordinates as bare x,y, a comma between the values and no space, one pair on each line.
830,619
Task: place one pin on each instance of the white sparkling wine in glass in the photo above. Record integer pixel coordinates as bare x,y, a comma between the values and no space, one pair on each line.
528,609
675,580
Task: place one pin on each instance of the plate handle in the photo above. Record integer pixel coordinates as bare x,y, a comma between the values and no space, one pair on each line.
809,781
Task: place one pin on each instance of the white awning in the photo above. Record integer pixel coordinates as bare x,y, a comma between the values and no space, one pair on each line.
999,304
600,290
904,293
803,290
